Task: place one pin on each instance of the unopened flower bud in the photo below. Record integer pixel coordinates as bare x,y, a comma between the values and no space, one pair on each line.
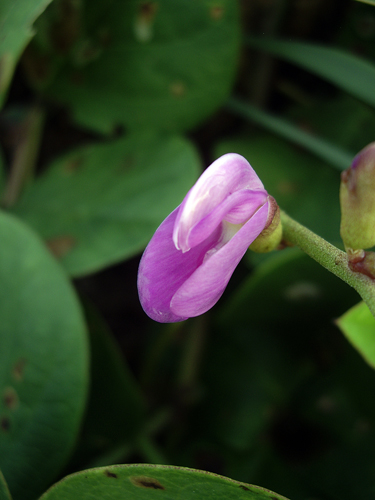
270,238
357,200
192,255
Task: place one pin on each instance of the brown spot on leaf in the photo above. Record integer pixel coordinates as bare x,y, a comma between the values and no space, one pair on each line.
108,473
146,482
5,424
243,487
178,89
61,245
72,165
147,11
216,12
10,398
18,369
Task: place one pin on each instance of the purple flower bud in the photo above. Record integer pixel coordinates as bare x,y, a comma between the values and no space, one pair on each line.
357,201
192,255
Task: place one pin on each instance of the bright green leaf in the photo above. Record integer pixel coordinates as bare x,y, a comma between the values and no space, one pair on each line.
350,73
4,491
370,2
101,204
164,65
144,482
358,325
16,19
43,362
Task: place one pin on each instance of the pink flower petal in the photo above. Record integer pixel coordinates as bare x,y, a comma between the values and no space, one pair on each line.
205,286
236,208
163,269
228,174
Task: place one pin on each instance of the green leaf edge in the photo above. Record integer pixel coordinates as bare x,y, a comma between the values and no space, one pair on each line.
4,490
323,149
112,470
342,323
309,57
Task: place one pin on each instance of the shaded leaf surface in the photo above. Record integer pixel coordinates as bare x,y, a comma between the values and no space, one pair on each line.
354,122
43,362
150,64
142,482
101,204
347,71
318,146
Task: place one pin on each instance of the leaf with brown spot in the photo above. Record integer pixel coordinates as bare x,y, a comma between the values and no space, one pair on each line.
146,482
73,164
108,209
152,44
18,369
10,398
61,245
161,482
5,424
108,473
42,397
216,12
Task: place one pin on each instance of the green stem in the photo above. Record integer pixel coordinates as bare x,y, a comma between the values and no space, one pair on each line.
191,360
328,256
25,156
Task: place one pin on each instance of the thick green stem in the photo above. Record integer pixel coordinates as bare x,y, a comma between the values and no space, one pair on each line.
328,256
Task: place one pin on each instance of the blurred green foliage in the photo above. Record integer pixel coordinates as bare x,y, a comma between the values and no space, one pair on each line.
94,154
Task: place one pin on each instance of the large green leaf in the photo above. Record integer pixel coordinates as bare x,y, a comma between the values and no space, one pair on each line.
4,491
350,73
166,64
143,482
16,19
358,325
43,362
101,204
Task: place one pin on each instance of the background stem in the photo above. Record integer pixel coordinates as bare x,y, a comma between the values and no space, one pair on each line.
25,156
